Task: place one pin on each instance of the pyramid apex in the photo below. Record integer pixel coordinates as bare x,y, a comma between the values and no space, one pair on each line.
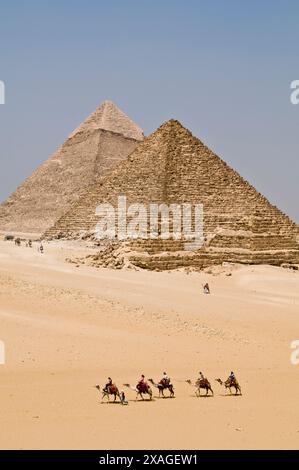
107,103
173,127
110,118
172,124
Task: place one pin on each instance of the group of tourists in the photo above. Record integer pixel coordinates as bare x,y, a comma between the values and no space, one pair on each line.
143,387
29,244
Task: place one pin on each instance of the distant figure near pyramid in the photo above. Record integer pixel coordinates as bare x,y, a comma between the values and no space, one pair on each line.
106,137
172,166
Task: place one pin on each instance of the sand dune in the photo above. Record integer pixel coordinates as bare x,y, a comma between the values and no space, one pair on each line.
67,328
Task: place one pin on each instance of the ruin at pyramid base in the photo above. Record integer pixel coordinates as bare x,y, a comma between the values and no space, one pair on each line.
140,254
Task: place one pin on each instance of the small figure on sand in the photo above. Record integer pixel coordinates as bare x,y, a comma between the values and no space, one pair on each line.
109,389
108,385
41,248
206,288
201,376
164,384
231,381
122,397
165,380
232,378
201,383
143,387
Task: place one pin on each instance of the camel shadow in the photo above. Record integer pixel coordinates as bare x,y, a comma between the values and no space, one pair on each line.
146,400
110,403
202,396
230,395
163,398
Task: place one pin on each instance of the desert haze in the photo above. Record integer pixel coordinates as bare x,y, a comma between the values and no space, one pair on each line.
67,327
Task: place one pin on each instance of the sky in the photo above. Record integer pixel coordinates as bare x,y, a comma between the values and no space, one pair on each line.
222,68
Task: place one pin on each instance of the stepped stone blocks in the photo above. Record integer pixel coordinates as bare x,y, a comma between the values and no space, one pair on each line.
172,166
91,151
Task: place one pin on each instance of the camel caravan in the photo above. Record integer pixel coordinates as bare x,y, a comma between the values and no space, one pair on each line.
143,388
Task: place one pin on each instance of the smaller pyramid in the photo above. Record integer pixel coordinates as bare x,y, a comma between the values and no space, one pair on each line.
105,138
171,166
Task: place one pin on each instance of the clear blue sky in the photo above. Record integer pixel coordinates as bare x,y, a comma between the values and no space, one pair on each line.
223,68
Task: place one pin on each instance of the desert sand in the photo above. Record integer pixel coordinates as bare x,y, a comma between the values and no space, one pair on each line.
67,328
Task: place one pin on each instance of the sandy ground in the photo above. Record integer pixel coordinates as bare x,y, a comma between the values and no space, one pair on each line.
67,329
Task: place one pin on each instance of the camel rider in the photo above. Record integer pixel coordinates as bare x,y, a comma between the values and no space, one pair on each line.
108,384
166,379
141,382
201,376
232,377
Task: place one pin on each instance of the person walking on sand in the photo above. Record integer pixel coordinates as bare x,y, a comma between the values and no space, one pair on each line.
206,288
122,397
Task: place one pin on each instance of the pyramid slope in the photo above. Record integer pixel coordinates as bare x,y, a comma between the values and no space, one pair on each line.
172,166
110,118
86,155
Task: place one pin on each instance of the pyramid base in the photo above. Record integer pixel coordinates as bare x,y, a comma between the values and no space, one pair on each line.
121,255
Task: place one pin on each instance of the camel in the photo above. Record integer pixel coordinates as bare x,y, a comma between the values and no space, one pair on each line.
161,386
228,384
141,389
201,383
111,390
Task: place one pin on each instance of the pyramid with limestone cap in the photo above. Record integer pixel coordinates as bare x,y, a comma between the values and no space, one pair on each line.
173,166
106,137
109,117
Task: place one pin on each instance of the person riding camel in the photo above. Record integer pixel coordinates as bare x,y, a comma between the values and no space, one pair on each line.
165,380
232,378
142,383
201,377
108,384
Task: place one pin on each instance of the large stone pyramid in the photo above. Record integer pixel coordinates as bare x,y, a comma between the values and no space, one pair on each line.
106,137
172,166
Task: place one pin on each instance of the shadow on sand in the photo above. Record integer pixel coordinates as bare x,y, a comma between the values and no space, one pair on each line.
163,398
202,396
146,400
110,403
229,395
